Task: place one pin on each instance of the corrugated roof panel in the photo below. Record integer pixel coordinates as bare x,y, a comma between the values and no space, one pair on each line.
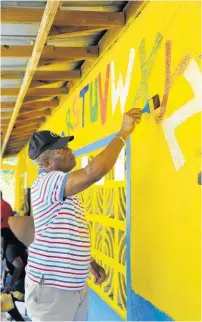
19,29
8,98
24,4
13,83
18,34
17,40
109,6
80,41
13,63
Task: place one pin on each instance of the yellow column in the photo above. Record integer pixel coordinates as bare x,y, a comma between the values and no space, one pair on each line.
17,185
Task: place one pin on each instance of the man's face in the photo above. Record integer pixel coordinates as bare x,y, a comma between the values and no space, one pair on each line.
62,160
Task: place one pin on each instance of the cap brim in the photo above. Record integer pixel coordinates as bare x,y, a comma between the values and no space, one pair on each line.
61,143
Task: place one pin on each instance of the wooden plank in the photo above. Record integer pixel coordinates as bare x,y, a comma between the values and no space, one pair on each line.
32,121
16,144
48,16
41,104
10,74
26,135
31,114
7,105
35,99
63,18
35,91
6,115
4,122
43,75
20,136
23,129
70,31
51,52
57,75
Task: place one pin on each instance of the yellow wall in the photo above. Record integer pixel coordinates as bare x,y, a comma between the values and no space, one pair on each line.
165,156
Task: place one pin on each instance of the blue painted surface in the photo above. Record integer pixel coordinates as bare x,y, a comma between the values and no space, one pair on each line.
138,309
143,310
95,145
146,109
128,226
99,310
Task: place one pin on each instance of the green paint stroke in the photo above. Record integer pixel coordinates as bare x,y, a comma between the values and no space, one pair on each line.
94,105
146,66
68,121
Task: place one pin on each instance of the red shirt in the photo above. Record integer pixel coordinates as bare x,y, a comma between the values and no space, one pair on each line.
6,212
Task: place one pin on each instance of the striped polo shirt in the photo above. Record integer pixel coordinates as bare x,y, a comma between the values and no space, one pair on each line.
60,253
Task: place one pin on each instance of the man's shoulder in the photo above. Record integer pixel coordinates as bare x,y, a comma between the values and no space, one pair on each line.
51,177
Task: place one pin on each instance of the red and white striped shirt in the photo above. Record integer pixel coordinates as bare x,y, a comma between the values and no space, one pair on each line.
60,252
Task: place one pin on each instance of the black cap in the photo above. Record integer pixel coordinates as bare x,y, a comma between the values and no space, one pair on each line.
46,140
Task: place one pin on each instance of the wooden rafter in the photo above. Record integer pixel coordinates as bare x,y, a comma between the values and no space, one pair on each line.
17,143
46,21
63,18
51,52
35,99
7,105
43,75
38,105
26,135
70,31
32,114
32,121
41,92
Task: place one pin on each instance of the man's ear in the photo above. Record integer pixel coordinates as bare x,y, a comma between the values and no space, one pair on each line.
23,228
47,164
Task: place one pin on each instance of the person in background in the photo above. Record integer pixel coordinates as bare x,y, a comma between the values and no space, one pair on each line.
59,257
6,211
13,277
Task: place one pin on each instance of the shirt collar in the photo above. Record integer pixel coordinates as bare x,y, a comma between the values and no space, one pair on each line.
41,170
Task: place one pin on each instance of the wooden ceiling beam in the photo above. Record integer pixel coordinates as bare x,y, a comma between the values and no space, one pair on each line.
6,115
38,83
51,52
26,135
63,17
38,105
48,76
36,99
32,122
70,31
7,105
46,21
16,143
31,114
35,91
4,122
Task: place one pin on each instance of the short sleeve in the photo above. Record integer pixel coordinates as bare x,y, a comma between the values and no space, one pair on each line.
52,186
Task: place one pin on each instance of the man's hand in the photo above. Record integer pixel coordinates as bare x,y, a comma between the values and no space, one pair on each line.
130,119
98,272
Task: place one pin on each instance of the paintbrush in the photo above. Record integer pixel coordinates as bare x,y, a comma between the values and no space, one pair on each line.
156,103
